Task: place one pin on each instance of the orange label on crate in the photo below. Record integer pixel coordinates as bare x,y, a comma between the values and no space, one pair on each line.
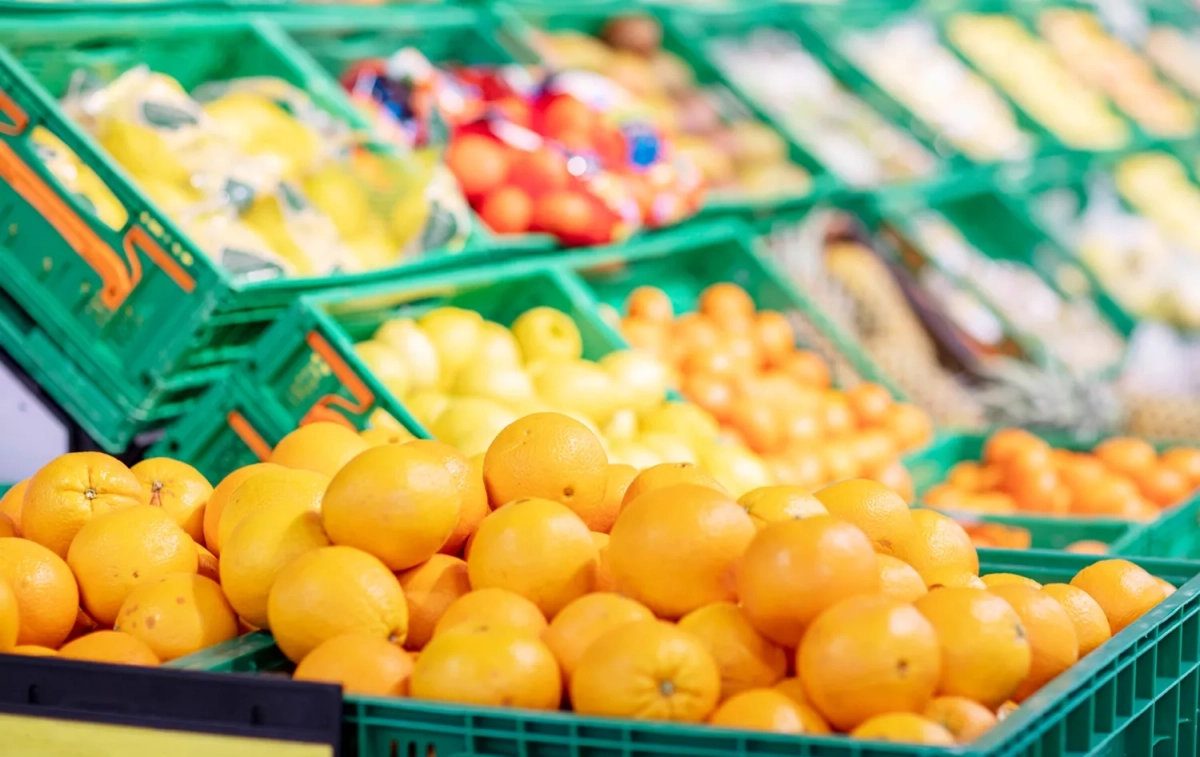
327,408
44,737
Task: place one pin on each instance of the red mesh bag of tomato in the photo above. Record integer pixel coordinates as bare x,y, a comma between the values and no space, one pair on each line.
567,154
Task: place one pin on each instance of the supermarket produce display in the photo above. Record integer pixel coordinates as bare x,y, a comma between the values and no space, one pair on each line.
511,377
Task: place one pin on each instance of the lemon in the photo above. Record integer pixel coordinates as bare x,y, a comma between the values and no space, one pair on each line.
142,151
336,193
454,333
426,406
681,418
633,453
415,347
472,423
261,127
623,426
172,198
386,364
735,467
508,384
497,346
408,217
579,387
298,233
644,377
546,333
672,448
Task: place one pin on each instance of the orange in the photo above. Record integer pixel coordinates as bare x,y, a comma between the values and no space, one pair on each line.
320,447
747,659
899,580
985,652
726,303
479,162
908,425
482,665
1034,489
1080,470
1087,547
881,513
712,393
179,489
332,591
12,503
177,615
1167,587
1091,625
1007,443
550,456
429,589
586,619
1127,456
965,719
693,332
939,544
604,575
1164,486
894,476
507,210
771,504
220,498
301,488
114,647
536,548
873,449
493,608
1184,460
1006,709
759,424
838,418
32,650
774,335
952,578
648,670
207,564
380,436
793,571
1110,495
69,491
869,403
7,527
793,687
475,506
866,656
360,663
1008,579
650,303
903,728
1053,644
1123,590
259,548
643,334
121,549
760,710
9,617
399,503
620,476
46,592
668,474
808,368
700,532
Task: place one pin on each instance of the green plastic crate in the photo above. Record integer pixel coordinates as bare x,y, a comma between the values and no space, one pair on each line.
4,488
1000,228
1137,694
523,20
306,368
149,329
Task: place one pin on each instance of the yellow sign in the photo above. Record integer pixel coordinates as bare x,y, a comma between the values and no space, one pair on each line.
44,737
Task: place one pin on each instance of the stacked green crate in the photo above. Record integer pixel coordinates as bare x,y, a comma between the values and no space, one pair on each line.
1175,533
126,323
1136,694
306,367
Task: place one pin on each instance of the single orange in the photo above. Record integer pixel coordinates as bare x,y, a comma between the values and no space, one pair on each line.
604,575
1164,486
895,476
650,303
807,368
746,658
771,504
32,650
939,544
1127,456
179,489
726,303
870,403
1091,625
904,728
909,425
47,595
1008,442
69,491
697,530
1184,460
1123,590
712,392
867,656
760,424
763,710
112,647
302,489
986,654
1053,643
13,502
321,447
881,513
965,719
828,560
774,335
899,580
220,498
483,665
546,455
429,589
1008,579
177,615
360,663
493,608
586,619
649,670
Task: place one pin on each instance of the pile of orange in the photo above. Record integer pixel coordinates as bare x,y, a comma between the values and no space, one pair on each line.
533,576
741,364
1004,536
1122,478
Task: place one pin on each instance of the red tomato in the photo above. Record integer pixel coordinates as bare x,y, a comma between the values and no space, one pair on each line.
516,110
564,114
507,210
573,217
539,170
480,163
